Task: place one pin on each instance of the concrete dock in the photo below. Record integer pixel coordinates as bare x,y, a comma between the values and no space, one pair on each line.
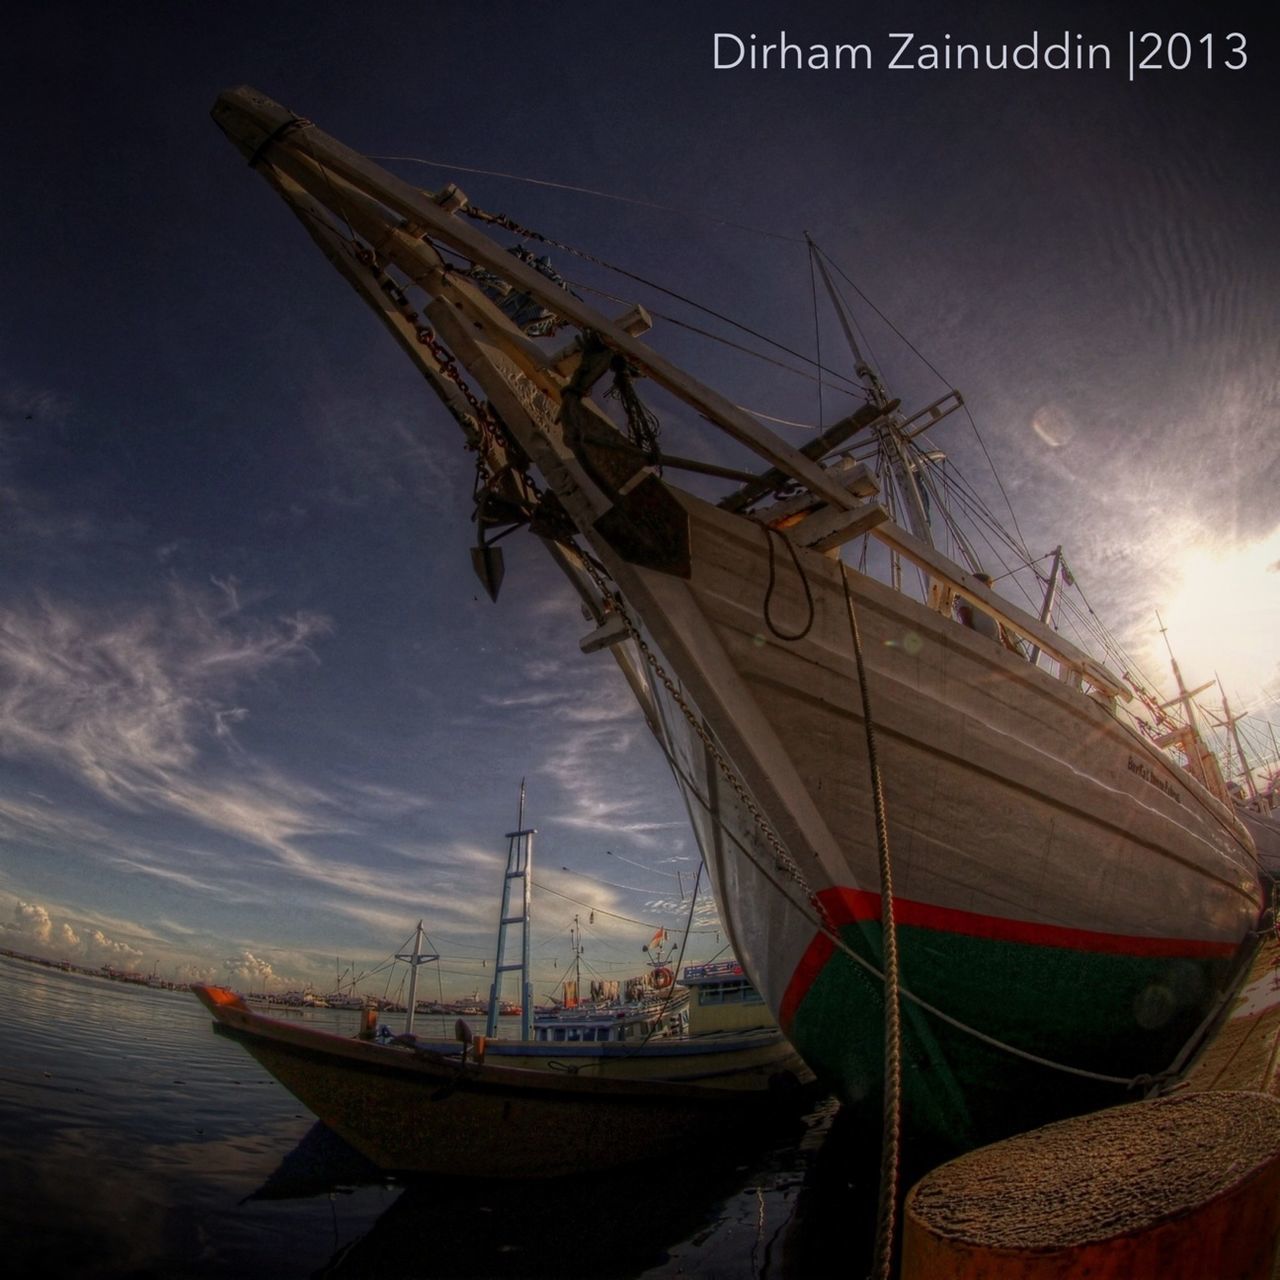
1244,1053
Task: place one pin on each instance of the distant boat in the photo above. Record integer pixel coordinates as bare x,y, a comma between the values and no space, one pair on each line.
1254,800
724,1037
1070,902
638,1008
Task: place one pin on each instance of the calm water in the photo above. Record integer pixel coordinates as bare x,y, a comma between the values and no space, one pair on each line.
136,1143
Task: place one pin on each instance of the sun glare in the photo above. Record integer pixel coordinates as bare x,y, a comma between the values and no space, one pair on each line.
1224,618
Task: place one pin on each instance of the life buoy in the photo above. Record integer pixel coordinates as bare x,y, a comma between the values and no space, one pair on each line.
663,978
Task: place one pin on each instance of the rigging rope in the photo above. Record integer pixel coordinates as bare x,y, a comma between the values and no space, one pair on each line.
589,191
851,389
578,902
642,422
932,369
510,224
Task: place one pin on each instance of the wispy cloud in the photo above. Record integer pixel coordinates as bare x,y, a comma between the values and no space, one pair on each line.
385,451
49,825
124,701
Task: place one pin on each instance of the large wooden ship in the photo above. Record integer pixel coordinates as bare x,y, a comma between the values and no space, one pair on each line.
1069,902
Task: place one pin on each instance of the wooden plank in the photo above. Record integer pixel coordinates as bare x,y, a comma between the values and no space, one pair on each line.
252,120
816,448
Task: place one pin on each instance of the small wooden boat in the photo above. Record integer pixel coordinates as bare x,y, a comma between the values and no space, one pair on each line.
410,1108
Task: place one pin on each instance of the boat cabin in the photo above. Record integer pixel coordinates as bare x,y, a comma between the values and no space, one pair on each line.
608,1026
723,999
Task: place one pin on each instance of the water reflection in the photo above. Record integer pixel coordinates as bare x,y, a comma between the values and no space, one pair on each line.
767,1215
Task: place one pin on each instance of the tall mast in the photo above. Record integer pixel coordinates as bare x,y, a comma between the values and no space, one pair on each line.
519,867
414,958
1050,598
1200,760
886,427
577,961
1230,722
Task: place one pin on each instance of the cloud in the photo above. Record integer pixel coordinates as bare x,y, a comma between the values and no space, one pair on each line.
34,926
32,921
123,701
50,826
589,761
140,708
128,704
251,970
100,950
207,888
196,972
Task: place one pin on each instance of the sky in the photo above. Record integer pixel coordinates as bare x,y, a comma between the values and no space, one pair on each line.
257,717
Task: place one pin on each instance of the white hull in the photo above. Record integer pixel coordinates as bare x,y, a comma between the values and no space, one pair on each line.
1008,792
1265,830
1019,809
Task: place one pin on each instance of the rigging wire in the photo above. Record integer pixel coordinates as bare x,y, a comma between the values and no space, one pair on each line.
602,195
928,364
516,228
852,388
648,924
817,328
812,251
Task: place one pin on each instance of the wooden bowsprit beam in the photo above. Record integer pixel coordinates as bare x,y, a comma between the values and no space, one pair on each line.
262,129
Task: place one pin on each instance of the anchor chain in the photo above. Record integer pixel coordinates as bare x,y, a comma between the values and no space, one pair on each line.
491,433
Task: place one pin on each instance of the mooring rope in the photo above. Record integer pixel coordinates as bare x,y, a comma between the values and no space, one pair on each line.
886,1216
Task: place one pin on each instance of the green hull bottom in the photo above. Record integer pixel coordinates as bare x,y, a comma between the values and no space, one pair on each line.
1112,1014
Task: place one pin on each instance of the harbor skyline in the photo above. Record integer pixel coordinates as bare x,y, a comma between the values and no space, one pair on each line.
257,712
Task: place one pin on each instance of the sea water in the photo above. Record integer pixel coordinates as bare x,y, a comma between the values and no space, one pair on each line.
134,1142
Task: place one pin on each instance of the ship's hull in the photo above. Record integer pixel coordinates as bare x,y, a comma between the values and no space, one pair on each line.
757,1060
1265,830
1062,890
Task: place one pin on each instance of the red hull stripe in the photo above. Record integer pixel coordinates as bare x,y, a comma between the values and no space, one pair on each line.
846,906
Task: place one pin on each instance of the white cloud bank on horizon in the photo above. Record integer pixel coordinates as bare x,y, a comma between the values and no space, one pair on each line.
32,924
